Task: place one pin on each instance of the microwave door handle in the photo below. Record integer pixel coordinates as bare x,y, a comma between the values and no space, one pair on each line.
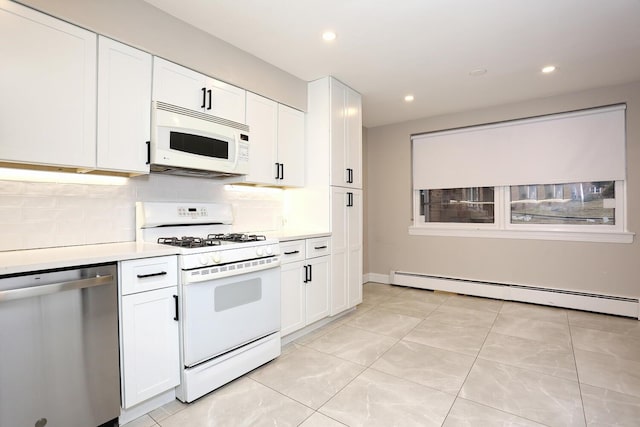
237,141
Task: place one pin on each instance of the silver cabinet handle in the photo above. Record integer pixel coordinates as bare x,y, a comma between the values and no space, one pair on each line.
35,291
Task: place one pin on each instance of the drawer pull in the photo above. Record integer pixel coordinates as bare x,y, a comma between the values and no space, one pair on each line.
143,276
292,252
320,247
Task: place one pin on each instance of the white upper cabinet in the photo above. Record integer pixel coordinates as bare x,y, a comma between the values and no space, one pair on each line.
346,135
276,143
291,146
124,107
48,87
353,139
177,85
262,118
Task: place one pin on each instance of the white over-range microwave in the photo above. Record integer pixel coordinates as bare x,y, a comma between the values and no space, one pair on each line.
192,143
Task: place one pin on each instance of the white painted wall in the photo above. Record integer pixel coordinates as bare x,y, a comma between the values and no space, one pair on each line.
605,268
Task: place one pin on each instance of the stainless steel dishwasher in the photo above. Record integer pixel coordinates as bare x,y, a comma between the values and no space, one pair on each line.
59,363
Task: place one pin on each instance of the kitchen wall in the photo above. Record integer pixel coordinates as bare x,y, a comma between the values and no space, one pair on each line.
37,214
365,199
594,267
141,25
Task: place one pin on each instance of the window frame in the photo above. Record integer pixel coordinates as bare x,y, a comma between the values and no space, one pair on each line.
503,228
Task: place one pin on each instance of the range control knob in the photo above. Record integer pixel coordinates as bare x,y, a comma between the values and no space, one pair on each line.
216,258
259,251
269,250
203,260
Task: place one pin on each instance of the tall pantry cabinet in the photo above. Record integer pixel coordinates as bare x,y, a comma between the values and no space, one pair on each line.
333,195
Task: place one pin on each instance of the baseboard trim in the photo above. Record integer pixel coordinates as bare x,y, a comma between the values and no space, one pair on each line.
600,303
130,414
376,277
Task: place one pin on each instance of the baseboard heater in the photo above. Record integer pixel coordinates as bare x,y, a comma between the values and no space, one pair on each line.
599,303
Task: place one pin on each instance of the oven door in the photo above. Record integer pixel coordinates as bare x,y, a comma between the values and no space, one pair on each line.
222,314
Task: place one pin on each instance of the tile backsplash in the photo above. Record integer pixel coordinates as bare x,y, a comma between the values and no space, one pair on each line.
39,215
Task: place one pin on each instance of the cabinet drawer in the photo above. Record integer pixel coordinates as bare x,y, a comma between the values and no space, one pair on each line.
318,247
146,274
292,251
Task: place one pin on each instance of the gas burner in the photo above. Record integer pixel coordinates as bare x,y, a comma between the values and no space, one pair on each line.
189,242
237,237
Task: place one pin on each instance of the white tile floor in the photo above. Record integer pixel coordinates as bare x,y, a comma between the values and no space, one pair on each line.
409,357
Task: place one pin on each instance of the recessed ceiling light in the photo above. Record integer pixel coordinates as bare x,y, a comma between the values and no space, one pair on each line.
409,98
478,72
548,69
328,36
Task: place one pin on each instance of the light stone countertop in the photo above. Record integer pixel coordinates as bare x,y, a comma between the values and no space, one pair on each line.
286,236
22,261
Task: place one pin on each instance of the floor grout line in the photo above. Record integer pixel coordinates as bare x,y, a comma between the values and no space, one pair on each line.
383,298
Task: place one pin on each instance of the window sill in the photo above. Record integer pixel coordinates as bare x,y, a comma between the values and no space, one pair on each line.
579,236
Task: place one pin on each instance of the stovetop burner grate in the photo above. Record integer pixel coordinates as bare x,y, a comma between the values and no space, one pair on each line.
210,240
189,242
237,237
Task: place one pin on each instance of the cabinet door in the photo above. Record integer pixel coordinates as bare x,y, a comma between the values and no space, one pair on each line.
150,357
291,145
227,101
317,290
338,115
48,87
262,117
124,107
354,257
292,297
339,250
353,139
177,85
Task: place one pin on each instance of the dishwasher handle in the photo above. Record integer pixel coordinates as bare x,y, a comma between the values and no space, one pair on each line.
36,291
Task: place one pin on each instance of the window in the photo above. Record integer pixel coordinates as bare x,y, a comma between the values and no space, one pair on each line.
558,177
458,205
582,203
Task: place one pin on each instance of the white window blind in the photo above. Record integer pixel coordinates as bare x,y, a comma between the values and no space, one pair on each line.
587,145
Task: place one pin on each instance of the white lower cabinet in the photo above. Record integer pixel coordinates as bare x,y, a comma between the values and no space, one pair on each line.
346,248
149,347
305,279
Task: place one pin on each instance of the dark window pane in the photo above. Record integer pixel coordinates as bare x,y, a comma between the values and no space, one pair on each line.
458,205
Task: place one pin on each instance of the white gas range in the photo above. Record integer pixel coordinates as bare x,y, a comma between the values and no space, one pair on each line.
229,292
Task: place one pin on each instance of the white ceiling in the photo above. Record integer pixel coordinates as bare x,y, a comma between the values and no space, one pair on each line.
386,49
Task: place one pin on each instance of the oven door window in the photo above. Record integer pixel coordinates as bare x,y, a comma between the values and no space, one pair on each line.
236,294
218,148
